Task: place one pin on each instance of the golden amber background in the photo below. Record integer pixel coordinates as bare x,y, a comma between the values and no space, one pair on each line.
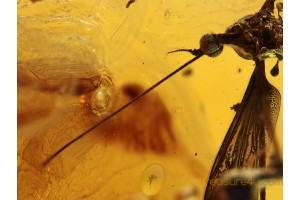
131,45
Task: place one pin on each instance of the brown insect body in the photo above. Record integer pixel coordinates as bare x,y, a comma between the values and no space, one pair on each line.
252,128
256,34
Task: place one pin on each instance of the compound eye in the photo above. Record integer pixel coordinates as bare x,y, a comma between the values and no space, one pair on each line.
210,45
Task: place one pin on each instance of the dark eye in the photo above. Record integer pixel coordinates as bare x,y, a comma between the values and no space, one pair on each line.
210,45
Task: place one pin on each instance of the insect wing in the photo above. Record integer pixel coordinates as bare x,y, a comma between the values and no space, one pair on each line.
250,132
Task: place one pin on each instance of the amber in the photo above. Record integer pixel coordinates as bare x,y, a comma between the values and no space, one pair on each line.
68,49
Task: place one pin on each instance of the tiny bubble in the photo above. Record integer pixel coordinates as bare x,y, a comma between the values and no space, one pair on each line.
152,179
102,100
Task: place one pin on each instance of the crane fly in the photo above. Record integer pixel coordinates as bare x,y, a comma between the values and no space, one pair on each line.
255,37
252,128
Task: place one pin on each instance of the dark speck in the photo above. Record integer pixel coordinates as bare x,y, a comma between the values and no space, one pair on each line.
187,72
129,3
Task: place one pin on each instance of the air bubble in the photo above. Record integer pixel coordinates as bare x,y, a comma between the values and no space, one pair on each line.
102,100
152,179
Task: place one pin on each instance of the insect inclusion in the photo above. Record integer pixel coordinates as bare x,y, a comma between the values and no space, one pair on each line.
246,44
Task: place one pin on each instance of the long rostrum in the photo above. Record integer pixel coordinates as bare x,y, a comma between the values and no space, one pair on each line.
122,108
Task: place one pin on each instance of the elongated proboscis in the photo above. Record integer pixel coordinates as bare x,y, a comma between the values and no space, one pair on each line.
200,53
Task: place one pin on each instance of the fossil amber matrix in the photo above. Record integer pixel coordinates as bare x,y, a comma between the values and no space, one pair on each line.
81,60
